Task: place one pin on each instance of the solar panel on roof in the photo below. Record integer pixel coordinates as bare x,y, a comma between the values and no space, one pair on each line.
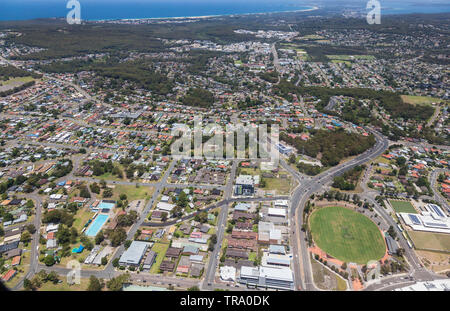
414,219
437,210
435,224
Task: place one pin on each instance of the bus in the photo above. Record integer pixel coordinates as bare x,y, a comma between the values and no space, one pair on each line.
409,243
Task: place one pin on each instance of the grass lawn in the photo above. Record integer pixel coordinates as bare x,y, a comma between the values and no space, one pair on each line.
281,185
252,256
81,218
347,235
109,176
381,159
249,171
22,269
430,240
350,57
160,249
132,192
403,207
346,62
49,286
420,100
15,80
73,256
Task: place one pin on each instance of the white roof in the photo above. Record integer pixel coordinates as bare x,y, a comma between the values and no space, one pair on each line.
165,198
281,203
436,285
245,180
134,253
277,212
163,206
228,273
242,207
284,274
52,227
275,234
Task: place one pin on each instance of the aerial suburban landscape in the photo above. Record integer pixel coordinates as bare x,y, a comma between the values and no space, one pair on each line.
315,151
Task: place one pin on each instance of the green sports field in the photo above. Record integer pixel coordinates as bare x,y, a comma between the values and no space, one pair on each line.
403,207
347,235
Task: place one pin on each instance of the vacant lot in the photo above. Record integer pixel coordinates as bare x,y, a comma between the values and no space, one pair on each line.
49,286
133,192
280,185
13,82
430,241
160,249
403,207
435,261
325,279
347,235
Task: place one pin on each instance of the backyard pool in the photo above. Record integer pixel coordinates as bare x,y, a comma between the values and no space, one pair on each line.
97,224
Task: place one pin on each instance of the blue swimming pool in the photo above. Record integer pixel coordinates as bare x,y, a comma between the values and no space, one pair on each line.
105,205
96,225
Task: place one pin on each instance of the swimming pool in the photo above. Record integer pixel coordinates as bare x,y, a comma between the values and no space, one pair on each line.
105,205
96,225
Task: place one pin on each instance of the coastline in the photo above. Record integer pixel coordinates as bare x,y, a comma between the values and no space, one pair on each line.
309,9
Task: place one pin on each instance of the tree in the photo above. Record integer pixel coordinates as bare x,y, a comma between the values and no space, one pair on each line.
212,242
94,284
27,285
52,277
104,261
25,237
392,232
117,236
127,244
63,235
401,161
201,217
107,193
115,262
116,284
99,237
2,231
103,184
400,252
95,188
49,261
84,192
292,159
193,289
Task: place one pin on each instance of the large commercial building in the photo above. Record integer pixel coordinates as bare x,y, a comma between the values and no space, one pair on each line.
245,185
267,277
433,219
134,254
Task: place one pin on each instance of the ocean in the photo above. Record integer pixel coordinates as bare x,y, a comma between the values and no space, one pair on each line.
134,9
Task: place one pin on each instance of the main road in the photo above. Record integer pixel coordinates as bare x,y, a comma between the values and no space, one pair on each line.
307,187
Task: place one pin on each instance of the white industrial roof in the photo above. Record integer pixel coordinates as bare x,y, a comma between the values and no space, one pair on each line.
277,212
134,253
